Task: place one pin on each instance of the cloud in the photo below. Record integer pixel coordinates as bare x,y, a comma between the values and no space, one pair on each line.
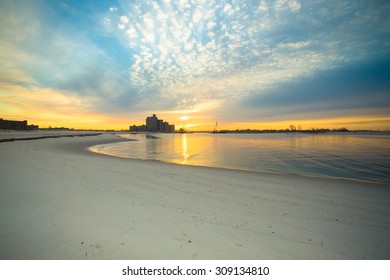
57,56
357,86
211,24
47,106
221,52
132,32
228,9
124,19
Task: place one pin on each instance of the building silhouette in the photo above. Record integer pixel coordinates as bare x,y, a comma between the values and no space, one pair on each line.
153,124
16,125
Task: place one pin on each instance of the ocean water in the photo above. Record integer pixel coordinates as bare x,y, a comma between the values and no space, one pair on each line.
361,156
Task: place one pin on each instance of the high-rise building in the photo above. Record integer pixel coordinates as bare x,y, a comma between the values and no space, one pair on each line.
166,127
151,123
160,126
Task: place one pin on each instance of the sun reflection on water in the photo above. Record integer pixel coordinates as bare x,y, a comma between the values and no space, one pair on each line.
184,149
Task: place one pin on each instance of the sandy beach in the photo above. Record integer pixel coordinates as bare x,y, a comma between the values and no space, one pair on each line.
60,201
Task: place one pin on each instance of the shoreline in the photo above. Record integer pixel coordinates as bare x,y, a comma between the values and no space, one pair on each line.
87,147
265,173
46,137
60,201
276,173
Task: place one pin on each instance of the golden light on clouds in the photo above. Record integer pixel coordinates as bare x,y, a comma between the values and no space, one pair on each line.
48,107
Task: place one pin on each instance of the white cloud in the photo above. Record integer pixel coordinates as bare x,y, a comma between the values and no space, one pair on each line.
197,17
209,13
228,9
161,16
183,4
263,7
295,45
282,5
107,22
132,32
148,21
150,37
124,19
211,24
295,5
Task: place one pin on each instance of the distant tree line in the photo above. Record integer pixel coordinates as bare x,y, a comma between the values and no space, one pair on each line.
287,130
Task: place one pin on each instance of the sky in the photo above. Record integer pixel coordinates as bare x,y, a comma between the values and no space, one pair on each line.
244,64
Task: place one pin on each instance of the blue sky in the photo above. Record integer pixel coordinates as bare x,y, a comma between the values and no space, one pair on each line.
109,63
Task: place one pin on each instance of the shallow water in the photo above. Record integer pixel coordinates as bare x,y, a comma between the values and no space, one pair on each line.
343,155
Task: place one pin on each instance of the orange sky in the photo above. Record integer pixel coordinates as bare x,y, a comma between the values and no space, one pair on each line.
83,121
48,107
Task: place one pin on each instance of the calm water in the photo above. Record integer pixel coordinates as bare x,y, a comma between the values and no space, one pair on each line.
346,155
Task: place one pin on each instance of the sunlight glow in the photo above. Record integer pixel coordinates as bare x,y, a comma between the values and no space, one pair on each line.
185,149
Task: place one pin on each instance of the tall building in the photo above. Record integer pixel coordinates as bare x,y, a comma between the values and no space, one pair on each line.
166,127
152,123
160,125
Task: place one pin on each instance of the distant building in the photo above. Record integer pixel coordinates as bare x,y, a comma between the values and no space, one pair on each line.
137,128
165,127
59,128
171,128
133,128
153,124
16,125
160,126
32,127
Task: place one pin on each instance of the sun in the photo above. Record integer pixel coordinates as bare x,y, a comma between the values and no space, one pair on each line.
184,118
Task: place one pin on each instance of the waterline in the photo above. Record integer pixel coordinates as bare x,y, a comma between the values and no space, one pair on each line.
344,155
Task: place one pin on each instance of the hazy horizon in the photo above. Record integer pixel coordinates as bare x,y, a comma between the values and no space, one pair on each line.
244,64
